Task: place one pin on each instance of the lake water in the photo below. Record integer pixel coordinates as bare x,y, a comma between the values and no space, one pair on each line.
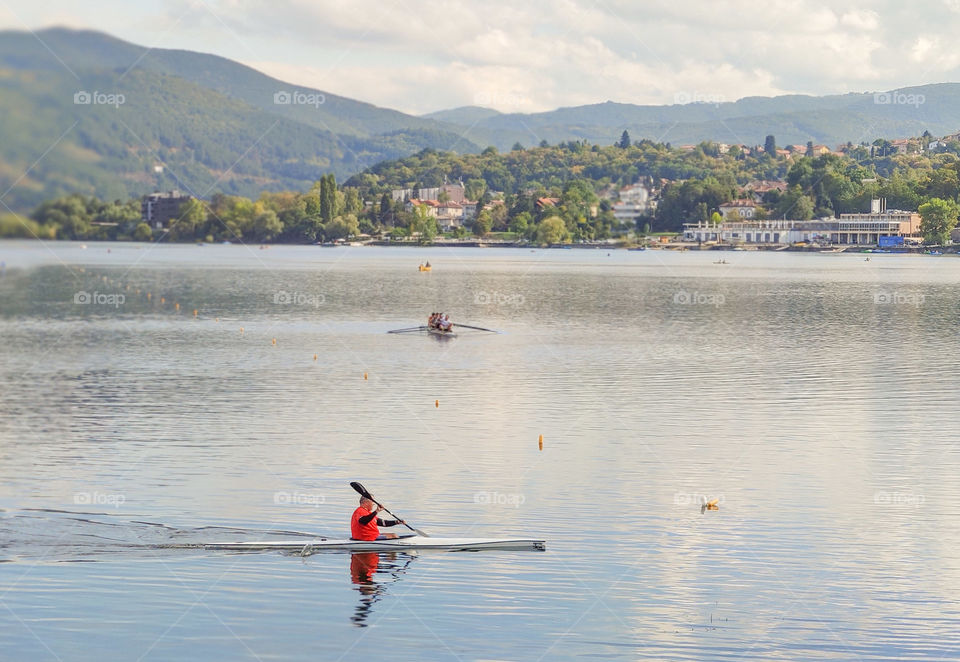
814,395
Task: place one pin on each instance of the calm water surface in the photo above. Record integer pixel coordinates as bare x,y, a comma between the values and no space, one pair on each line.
813,395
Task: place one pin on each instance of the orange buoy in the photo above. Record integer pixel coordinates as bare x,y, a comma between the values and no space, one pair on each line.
194,312
274,341
241,330
314,357
540,442
437,404
176,306
163,299
364,376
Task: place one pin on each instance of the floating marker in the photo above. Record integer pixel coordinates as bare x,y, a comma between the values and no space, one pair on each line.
364,376
163,299
314,357
241,330
216,319
713,504
540,442
176,306
274,341
194,312
149,296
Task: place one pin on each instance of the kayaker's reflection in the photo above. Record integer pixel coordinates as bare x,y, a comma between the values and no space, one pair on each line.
364,569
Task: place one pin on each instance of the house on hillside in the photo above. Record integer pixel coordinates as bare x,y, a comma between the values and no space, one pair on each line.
742,208
544,203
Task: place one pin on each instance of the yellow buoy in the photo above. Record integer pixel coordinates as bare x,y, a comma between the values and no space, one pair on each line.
194,312
176,306
163,299
149,296
314,357
711,504
540,442
437,404
364,376
241,330
274,341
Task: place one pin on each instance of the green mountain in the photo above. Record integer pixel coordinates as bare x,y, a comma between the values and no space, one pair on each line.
464,115
792,119
212,124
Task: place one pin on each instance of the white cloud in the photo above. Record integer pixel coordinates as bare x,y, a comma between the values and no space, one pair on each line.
421,55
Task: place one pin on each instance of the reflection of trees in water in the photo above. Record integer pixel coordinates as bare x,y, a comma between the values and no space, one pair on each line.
364,567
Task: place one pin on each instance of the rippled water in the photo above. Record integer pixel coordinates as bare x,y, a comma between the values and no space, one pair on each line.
813,395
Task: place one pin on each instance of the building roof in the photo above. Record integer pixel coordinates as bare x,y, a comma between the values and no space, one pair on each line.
742,202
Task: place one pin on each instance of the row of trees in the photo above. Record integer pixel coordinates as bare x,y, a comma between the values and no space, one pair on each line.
575,176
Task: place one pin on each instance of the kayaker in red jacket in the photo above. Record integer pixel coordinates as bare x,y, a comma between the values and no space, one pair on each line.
364,523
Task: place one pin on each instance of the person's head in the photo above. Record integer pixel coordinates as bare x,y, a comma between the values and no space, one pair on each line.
366,503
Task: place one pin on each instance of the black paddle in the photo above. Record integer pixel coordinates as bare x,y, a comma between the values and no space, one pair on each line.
362,491
475,328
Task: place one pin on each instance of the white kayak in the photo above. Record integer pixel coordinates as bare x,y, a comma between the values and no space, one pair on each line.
404,543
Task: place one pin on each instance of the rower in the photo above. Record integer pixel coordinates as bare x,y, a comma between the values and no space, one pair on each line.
364,523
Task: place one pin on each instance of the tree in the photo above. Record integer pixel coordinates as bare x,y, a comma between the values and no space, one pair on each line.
624,140
341,227
517,147
716,218
191,218
795,204
424,224
474,188
142,233
328,197
521,223
937,218
483,223
770,146
552,231
266,225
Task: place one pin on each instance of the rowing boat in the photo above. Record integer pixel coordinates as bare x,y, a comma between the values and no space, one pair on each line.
403,543
440,333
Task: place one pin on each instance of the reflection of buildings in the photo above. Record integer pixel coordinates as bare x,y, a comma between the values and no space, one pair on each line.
364,566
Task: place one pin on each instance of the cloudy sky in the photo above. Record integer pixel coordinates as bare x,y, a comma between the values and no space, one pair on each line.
425,55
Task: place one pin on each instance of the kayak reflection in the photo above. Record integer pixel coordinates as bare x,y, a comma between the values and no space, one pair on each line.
373,572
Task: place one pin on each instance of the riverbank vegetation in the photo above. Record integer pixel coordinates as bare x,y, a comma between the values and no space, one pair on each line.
578,181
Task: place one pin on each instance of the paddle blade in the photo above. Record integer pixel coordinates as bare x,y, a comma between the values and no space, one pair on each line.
360,489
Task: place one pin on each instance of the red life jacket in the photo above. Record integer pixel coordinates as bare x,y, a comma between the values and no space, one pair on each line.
359,531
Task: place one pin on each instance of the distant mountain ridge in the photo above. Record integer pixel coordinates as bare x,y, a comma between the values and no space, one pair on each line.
830,120
211,123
